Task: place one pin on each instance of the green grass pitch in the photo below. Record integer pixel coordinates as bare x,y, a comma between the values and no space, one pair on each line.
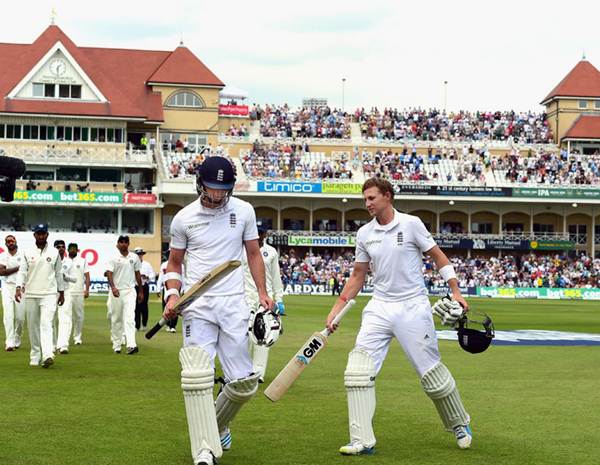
529,405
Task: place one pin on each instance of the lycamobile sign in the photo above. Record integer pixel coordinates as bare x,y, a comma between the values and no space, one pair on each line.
322,241
69,197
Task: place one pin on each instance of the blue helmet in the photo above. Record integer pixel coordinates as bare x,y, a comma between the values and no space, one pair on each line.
216,173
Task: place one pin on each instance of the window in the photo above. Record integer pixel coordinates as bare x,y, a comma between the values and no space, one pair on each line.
597,104
13,131
481,228
119,135
51,132
68,133
39,175
60,132
582,104
64,91
38,89
543,228
137,222
43,132
26,132
85,134
49,90
75,91
94,137
184,99
105,175
71,174
76,133
1,131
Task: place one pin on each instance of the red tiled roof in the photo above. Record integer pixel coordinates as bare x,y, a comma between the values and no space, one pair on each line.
584,127
582,81
121,75
183,67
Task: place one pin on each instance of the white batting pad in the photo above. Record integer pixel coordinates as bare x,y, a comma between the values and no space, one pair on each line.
440,386
197,382
233,395
260,358
359,379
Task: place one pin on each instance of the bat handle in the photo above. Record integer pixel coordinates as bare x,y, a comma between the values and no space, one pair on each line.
156,328
340,315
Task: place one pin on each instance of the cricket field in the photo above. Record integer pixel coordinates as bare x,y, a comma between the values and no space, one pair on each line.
529,404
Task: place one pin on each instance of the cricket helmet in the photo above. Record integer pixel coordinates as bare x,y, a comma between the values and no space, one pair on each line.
264,327
473,340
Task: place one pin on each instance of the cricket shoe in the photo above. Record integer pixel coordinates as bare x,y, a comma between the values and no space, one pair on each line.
46,363
356,448
225,439
132,350
204,457
463,435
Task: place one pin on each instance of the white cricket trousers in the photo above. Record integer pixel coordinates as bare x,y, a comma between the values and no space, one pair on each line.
122,318
70,317
13,317
219,325
410,322
40,314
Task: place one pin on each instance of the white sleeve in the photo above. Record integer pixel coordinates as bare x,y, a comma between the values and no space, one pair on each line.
111,265
137,265
4,259
23,269
86,267
422,237
160,279
276,279
361,255
179,239
60,284
250,229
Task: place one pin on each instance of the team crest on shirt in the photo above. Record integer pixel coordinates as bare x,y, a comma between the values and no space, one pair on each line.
265,254
131,261
48,259
232,220
399,238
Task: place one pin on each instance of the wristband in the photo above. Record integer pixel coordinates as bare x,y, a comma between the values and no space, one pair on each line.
170,292
447,272
172,275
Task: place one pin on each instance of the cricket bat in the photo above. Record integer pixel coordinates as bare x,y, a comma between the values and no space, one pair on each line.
307,353
204,284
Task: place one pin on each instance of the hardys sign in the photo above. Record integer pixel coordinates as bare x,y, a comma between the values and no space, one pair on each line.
288,187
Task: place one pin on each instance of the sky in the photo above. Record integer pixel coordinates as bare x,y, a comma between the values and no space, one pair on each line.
493,55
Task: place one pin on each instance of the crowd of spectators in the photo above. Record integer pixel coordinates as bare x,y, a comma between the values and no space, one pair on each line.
314,122
560,271
291,161
434,125
237,131
185,164
548,168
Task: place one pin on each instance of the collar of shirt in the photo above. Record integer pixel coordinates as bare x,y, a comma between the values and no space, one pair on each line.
390,225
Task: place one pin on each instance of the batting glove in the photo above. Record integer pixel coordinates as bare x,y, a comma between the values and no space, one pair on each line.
448,310
280,308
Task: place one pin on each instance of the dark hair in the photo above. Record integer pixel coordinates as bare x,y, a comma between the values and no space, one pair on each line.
383,185
59,242
72,244
10,235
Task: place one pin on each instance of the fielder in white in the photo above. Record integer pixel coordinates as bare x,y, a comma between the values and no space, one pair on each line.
40,275
123,274
14,312
77,288
210,231
392,244
260,353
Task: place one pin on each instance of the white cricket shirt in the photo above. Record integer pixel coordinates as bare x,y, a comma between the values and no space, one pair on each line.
75,268
395,252
211,237
146,270
41,272
10,261
123,269
272,274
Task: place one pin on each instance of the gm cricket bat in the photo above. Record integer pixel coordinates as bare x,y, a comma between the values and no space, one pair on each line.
203,285
307,353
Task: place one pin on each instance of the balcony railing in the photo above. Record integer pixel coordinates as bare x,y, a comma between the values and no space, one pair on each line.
59,153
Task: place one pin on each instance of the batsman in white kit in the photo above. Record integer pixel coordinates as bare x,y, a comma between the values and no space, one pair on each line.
211,231
40,278
123,274
14,312
393,244
77,288
260,352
